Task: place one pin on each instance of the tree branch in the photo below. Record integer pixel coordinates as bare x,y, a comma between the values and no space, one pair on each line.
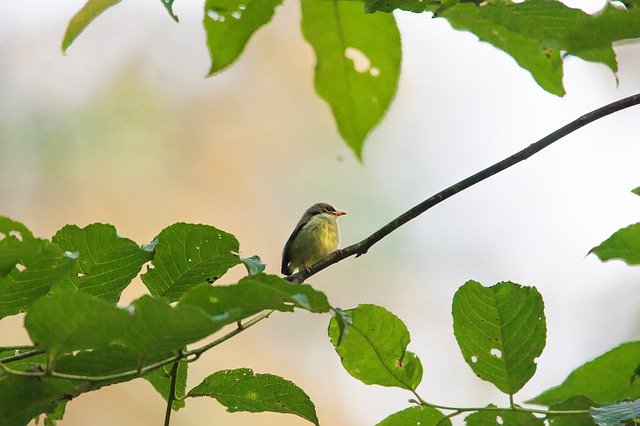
363,246
172,393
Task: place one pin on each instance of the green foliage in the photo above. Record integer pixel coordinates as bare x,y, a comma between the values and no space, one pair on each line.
500,330
80,20
243,390
624,244
373,348
98,248
168,4
229,24
188,255
607,379
502,417
617,413
358,63
424,416
160,379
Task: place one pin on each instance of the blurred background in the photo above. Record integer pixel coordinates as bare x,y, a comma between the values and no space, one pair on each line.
126,129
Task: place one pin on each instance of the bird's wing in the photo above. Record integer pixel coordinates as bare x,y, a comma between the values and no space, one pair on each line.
286,258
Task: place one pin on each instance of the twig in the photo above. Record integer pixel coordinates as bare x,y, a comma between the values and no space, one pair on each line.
363,246
172,393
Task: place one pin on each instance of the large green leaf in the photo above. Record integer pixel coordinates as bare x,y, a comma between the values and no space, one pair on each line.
502,417
80,20
70,320
423,416
358,63
187,255
242,390
159,330
373,348
16,242
229,24
106,262
500,331
228,304
624,245
606,379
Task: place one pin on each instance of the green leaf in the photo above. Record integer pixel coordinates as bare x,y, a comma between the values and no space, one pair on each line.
616,413
423,416
80,20
23,398
242,390
358,63
253,264
229,24
228,304
106,262
70,320
624,245
187,255
159,330
604,380
373,348
41,264
609,25
16,241
572,404
502,417
636,190
52,417
168,4
500,331
160,379
417,6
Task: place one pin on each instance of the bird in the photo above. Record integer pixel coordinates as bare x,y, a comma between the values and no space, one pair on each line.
315,237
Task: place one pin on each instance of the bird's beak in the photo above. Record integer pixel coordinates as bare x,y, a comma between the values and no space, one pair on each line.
339,213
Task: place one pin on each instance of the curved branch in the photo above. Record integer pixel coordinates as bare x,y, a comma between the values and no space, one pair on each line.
363,246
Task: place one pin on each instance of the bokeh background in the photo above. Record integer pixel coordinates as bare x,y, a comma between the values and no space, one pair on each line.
125,129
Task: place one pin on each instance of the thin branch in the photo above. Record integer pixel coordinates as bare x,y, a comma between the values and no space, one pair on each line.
363,246
22,355
172,393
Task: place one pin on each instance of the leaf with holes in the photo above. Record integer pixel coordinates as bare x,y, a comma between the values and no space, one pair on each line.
16,241
39,266
243,390
71,320
228,304
229,24
80,20
423,416
502,417
373,348
500,331
188,255
358,63
623,245
106,262
604,380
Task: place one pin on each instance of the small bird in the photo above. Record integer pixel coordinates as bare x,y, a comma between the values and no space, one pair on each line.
315,237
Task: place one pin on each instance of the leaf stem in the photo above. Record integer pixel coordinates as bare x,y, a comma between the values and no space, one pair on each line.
22,355
172,393
363,246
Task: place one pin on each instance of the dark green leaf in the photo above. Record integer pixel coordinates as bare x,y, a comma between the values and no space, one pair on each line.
606,379
572,404
160,379
616,413
16,242
79,22
636,191
242,390
229,25
168,4
23,398
502,417
609,25
423,416
187,255
373,348
624,245
40,265
70,320
52,417
500,331
106,262
228,304
253,264
416,6
358,63
159,330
